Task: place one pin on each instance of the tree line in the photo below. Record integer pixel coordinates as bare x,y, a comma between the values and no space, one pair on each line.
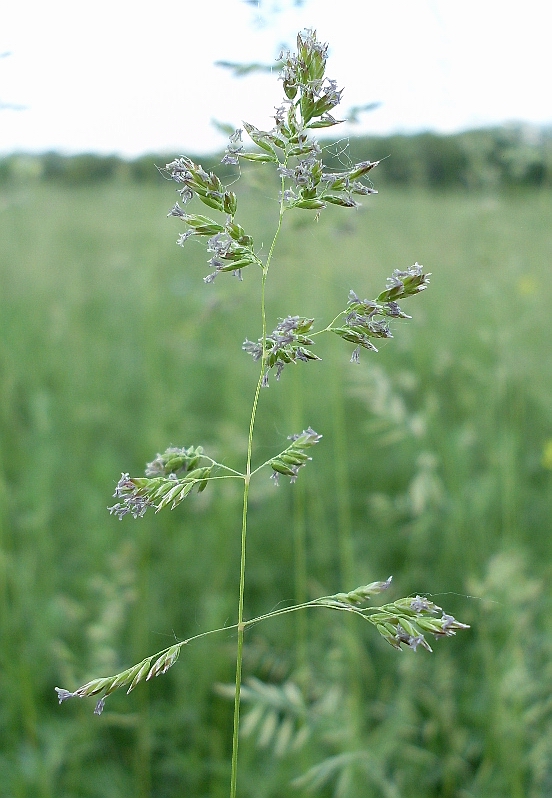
513,156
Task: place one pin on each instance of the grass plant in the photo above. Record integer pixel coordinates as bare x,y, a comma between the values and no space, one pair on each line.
172,476
109,346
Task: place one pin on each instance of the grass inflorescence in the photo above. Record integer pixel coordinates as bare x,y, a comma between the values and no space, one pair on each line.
305,184
446,440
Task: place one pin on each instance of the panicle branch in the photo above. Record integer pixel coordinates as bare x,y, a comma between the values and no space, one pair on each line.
162,484
365,320
401,623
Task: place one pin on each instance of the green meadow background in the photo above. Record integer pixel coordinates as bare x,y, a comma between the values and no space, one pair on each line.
435,467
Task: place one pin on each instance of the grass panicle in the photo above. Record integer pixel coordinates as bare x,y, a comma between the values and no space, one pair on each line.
305,184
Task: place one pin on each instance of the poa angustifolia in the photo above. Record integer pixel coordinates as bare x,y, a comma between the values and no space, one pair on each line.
310,99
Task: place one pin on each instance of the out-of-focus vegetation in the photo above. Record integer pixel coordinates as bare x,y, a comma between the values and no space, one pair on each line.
486,158
435,466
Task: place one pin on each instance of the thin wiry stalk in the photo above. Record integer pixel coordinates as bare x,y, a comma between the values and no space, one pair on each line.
240,625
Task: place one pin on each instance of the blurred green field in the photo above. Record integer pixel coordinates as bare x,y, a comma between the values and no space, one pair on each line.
435,466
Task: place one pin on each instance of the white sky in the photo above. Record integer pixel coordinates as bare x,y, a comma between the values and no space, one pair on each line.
134,76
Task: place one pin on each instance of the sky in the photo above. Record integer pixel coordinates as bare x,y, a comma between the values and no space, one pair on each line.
130,77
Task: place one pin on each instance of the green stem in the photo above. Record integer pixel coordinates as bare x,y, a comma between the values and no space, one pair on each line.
240,625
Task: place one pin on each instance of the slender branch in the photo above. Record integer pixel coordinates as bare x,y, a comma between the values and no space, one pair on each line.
266,462
327,602
221,465
328,327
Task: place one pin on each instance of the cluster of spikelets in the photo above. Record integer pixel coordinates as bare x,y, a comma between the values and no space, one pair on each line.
402,622
144,670
306,183
294,457
162,486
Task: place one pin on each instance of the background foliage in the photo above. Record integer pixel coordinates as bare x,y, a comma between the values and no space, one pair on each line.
515,156
435,466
